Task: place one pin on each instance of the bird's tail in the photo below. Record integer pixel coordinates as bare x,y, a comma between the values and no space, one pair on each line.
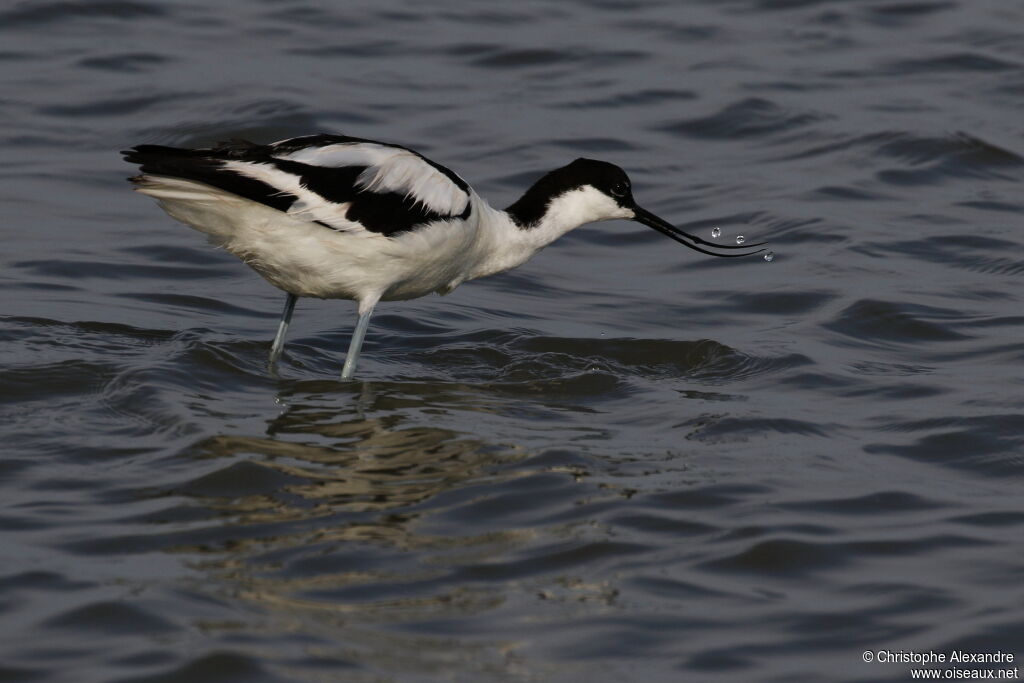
171,162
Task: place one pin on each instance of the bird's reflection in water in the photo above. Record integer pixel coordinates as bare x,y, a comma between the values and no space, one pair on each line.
346,517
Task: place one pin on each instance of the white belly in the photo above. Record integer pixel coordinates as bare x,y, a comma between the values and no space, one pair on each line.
309,259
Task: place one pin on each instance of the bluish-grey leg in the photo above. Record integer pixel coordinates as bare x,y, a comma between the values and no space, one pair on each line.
356,344
282,329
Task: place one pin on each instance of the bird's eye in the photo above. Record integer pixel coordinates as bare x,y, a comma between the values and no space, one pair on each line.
620,190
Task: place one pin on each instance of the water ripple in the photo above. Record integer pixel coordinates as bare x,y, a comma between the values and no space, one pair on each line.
749,118
884,321
56,12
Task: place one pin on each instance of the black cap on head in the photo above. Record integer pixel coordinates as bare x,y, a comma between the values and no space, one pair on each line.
605,177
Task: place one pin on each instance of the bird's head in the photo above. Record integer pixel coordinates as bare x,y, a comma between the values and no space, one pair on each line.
587,191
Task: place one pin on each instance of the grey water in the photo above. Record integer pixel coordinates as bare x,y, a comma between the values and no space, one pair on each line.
621,461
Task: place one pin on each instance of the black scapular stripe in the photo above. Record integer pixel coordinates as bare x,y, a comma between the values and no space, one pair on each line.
387,213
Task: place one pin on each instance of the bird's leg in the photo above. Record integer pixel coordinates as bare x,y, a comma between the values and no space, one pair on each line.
357,341
282,329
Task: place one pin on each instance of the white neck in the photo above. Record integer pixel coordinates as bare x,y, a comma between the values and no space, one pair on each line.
508,245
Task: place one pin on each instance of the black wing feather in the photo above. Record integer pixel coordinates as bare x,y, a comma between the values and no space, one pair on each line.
386,213
207,166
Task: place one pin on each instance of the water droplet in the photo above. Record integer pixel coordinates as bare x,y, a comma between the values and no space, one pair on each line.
716,232
740,239
770,256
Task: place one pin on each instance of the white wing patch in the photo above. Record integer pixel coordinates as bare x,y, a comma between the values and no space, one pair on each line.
388,169
307,204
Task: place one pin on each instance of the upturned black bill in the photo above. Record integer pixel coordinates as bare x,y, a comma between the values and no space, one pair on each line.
665,228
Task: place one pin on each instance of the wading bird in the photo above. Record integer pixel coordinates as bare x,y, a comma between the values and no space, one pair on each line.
337,217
